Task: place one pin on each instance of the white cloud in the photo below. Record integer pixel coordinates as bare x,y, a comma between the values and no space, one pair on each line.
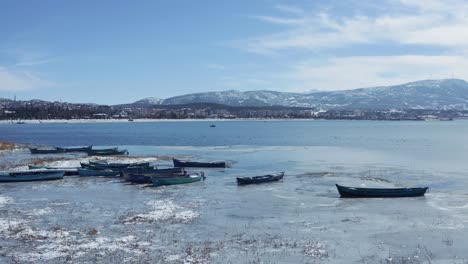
368,71
398,24
11,80
433,22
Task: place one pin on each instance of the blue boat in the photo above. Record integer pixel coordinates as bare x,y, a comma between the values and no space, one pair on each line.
104,173
353,192
78,149
260,179
27,176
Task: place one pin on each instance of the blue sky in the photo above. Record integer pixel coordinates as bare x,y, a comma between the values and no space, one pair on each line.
121,51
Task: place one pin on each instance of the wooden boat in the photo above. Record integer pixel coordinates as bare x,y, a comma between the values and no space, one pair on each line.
148,172
79,149
141,178
260,179
106,164
194,164
177,180
353,192
67,171
27,176
46,151
107,152
105,173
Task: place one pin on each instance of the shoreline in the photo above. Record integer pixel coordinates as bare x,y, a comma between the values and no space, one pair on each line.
84,121
93,121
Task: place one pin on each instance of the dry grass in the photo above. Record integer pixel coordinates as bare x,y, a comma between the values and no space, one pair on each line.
7,146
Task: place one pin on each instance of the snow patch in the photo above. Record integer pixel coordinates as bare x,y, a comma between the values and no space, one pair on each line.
5,200
163,210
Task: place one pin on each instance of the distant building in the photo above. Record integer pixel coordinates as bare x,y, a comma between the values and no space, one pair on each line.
100,116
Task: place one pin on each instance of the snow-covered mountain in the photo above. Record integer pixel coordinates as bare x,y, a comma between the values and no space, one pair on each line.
427,94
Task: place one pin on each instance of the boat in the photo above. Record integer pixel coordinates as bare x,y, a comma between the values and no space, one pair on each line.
79,149
142,178
130,120
148,172
46,151
260,179
177,180
67,171
353,192
212,125
27,176
106,173
107,152
119,165
194,164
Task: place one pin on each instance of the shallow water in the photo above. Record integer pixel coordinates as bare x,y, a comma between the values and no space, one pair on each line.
299,220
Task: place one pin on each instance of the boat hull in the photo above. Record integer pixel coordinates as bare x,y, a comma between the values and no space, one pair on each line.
31,176
176,180
260,179
46,151
351,192
193,164
80,149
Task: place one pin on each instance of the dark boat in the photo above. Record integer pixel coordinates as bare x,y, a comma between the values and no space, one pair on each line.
212,125
46,151
107,152
110,165
352,192
149,172
194,164
79,149
27,176
145,178
260,179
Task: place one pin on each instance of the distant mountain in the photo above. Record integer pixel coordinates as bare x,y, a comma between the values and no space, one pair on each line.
149,101
427,94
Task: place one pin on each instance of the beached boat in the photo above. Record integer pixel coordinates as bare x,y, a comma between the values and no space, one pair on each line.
105,173
27,176
150,172
177,180
194,164
142,178
79,149
67,171
353,192
260,179
46,151
106,164
107,152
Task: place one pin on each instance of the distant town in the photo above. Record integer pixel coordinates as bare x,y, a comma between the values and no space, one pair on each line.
44,110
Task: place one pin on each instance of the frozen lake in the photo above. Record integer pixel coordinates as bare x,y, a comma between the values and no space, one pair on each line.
299,220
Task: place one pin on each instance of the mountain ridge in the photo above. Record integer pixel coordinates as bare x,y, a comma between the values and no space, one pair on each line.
423,94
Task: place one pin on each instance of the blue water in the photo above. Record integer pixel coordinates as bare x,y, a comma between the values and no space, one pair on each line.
272,223
433,142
